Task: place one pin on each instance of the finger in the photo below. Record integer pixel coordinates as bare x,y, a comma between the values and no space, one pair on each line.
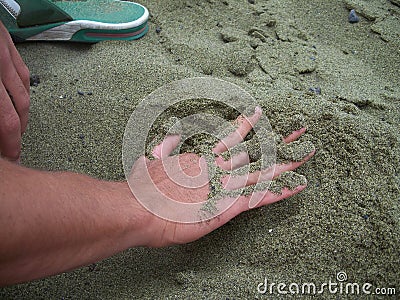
258,199
165,148
243,158
246,124
22,102
10,127
17,60
236,182
19,97
242,204
21,68
235,162
294,135
15,78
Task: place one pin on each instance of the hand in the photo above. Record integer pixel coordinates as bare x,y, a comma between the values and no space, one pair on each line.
158,184
14,97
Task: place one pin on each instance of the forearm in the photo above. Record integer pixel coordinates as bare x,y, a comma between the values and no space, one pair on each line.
54,222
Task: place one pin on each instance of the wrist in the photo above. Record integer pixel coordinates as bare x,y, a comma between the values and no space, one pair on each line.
134,217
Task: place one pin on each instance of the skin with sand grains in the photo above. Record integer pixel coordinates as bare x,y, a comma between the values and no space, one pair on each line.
182,233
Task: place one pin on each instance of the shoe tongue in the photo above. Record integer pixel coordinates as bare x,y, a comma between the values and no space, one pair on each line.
40,12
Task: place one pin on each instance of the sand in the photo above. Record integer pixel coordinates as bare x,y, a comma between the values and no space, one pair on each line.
305,64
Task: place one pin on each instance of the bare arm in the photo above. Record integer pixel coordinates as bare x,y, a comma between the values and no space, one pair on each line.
51,222
54,222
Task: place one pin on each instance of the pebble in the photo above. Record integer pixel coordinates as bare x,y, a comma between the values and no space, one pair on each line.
34,80
92,267
82,93
229,35
353,18
315,90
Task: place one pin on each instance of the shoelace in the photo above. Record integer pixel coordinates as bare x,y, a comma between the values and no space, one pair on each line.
12,7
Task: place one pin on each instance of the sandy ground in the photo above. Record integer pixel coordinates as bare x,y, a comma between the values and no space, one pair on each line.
296,58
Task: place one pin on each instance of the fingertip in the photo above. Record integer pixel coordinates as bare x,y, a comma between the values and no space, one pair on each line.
309,155
289,192
300,188
166,147
294,135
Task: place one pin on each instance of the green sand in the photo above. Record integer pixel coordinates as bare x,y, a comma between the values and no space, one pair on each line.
348,219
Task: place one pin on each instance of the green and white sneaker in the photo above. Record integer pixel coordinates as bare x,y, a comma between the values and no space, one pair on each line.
87,21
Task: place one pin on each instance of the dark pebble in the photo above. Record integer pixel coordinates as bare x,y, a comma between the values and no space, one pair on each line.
252,1
365,217
34,80
353,18
158,29
89,93
81,93
315,90
81,136
92,267
69,110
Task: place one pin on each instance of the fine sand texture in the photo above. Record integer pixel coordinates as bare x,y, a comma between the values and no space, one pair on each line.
305,63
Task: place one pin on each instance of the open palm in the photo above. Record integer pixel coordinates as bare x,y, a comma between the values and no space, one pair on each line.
162,171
